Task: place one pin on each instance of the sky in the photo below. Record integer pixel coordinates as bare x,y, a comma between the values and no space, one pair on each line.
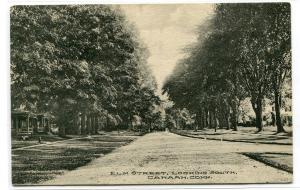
166,30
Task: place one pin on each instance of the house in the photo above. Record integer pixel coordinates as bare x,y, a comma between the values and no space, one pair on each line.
28,123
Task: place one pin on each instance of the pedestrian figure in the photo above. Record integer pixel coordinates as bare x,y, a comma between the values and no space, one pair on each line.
40,140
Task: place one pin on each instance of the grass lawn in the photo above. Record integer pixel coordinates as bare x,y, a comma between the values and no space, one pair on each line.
17,142
280,160
40,163
267,130
244,134
283,161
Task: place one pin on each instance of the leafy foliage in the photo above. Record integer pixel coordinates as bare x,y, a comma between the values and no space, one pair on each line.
241,51
78,59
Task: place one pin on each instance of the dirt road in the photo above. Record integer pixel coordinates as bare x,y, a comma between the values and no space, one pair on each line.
167,158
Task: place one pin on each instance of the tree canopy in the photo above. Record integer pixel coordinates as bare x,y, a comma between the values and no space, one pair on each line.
239,52
79,59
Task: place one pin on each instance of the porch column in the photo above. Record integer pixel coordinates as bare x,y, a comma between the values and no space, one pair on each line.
27,123
17,125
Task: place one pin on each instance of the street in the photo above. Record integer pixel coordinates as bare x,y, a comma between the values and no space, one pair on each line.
166,158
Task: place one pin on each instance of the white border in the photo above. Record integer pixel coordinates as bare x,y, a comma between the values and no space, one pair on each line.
5,163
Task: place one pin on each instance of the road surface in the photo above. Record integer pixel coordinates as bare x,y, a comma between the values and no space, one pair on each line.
166,158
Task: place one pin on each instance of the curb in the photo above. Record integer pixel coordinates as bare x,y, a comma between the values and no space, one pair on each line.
257,157
228,140
47,143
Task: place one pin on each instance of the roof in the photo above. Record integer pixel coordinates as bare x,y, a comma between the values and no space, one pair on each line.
21,113
24,113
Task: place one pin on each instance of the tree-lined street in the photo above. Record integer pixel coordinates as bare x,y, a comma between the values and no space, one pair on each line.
91,102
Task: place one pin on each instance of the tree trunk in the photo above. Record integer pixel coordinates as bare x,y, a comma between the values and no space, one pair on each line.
199,120
92,124
226,119
277,112
215,120
221,119
62,129
210,125
88,124
203,119
107,127
196,124
234,120
206,119
96,124
257,106
78,124
83,126
177,123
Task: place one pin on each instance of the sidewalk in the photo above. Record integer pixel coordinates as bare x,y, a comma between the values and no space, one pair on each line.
237,136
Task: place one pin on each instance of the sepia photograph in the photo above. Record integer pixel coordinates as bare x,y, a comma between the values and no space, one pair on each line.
151,94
